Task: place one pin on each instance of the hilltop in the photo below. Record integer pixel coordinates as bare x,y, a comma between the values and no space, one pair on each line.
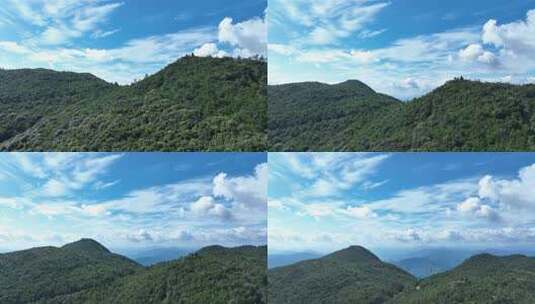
199,104
351,275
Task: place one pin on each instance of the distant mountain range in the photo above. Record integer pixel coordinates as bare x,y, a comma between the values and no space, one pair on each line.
461,115
200,104
151,256
283,259
87,272
355,275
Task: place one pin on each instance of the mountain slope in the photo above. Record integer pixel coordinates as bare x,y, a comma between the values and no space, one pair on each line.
461,115
46,272
195,103
315,116
352,275
86,272
482,279
212,275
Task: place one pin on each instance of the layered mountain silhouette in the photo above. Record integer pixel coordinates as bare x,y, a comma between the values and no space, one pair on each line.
352,275
201,104
87,272
461,115
355,275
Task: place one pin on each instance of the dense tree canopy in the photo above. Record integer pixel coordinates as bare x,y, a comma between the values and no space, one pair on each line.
352,275
461,115
86,272
355,275
199,104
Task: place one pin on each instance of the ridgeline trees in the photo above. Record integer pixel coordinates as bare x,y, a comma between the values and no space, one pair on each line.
194,104
461,115
86,272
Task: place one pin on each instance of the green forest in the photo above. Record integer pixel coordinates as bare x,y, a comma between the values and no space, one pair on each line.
86,272
194,104
461,115
355,275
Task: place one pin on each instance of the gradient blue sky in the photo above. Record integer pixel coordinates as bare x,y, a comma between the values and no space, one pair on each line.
402,48
123,40
133,200
403,201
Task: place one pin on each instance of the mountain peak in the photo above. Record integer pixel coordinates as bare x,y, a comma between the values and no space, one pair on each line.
354,254
87,245
358,85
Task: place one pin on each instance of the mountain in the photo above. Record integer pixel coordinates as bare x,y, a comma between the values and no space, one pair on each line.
41,273
201,104
482,279
351,275
86,272
283,259
426,262
151,256
315,116
461,115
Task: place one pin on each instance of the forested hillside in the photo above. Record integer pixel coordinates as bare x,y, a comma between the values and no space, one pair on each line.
355,275
201,104
482,279
352,275
461,115
86,272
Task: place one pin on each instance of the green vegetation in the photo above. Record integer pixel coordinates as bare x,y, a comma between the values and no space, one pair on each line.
194,104
86,272
482,279
352,275
355,275
42,273
461,115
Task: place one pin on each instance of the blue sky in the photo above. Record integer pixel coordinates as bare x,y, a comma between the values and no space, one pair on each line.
133,200
402,48
123,40
400,202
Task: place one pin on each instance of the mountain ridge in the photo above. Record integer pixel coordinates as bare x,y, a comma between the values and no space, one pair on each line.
461,115
195,103
82,272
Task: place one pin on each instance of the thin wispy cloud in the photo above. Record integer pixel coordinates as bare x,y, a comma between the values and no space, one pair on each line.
482,208
101,37
332,41
77,195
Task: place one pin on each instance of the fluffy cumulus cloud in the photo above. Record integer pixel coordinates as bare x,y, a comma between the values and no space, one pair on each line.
63,35
248,37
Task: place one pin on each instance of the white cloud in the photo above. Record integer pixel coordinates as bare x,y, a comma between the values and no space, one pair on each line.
474,206
475,52
512,193
55,188
13,47
250,191
326,22
360,212
249,37
209,49
207,205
